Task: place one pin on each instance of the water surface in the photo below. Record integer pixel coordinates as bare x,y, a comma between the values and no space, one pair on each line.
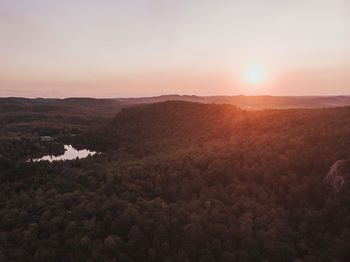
70,153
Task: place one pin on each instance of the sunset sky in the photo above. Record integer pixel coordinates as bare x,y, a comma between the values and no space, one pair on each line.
124,48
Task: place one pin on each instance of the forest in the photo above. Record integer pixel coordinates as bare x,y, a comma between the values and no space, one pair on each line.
175,181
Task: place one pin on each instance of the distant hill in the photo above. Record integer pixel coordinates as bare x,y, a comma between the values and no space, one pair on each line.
245,102
250,102
33,114
13,103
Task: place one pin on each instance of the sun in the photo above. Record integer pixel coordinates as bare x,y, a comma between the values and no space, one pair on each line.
254,75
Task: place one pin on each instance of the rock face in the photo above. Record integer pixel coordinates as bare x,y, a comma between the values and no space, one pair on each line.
334,177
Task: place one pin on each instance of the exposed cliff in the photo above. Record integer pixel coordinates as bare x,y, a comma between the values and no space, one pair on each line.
335,177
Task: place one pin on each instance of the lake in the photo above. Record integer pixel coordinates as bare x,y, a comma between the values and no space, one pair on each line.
70,153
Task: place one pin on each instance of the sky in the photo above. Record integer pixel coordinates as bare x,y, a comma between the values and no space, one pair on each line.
133,48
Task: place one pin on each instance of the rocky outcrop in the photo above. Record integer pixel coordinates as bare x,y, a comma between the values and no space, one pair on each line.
335,177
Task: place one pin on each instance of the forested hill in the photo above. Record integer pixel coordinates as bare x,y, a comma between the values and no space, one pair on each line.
170,122
250,102
196,123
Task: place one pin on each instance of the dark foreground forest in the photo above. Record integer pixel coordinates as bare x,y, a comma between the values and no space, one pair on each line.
175,181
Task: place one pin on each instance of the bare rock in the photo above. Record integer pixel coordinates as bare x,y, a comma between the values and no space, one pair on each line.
335,177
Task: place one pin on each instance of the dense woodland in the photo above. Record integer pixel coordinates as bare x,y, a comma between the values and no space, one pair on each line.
176,181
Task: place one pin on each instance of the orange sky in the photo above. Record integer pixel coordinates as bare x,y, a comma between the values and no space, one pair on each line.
143,48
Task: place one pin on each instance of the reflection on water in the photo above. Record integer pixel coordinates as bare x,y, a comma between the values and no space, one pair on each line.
69,154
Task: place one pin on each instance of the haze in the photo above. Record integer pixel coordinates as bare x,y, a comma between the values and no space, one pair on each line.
143,48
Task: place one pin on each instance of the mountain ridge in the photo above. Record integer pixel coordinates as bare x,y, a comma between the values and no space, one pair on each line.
246,102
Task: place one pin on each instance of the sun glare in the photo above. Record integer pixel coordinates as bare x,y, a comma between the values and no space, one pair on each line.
254,75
